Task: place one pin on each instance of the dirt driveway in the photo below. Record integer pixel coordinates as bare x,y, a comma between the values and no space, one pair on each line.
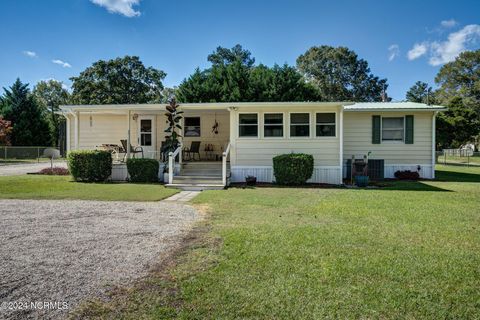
55,253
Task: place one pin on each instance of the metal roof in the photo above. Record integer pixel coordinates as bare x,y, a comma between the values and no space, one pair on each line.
348,106
392,106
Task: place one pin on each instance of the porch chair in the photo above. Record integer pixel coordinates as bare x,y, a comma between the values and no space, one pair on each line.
133,150
192,151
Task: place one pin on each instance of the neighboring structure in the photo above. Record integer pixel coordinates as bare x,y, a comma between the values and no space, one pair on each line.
402,134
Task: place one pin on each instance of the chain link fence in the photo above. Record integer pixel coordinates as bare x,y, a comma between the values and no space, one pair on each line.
22,154
465,157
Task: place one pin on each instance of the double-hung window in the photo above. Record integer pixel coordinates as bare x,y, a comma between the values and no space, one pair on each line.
393,129
325,124
248,125
299,125
273,125
192,126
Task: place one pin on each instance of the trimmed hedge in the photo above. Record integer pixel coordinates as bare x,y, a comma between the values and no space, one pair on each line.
143,170
293,169
90,165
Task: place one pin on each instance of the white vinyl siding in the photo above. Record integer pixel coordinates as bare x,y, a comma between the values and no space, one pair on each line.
260,151
358,139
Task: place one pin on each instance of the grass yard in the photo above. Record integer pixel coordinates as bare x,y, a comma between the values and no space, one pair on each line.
409,251
62,187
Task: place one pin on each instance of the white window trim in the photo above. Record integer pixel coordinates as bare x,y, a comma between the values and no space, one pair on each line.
184,126
392,141
315,126
309,125
258,126
283,125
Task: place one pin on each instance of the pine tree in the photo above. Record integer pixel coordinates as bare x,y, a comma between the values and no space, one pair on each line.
29,125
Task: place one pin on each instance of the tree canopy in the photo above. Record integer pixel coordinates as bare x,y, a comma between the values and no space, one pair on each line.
340,75
234,77
50,95
459,90
461,78
29,125
117,81
420,92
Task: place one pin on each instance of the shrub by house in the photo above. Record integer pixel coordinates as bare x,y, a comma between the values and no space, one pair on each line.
293,169
143,170
90,165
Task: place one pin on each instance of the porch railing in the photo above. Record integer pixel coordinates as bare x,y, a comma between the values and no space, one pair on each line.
225,155
171,162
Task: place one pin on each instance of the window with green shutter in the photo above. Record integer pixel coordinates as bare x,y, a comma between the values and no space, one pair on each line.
409,129
376,129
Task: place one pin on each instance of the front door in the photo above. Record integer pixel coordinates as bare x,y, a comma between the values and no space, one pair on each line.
146,135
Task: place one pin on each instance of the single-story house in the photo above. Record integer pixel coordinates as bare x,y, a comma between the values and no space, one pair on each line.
240,139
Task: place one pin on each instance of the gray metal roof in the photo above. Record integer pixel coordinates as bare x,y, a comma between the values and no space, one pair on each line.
392,106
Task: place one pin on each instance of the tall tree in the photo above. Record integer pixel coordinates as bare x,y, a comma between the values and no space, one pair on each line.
459,88
116,81
50,95
29,125
420,92
234,77
457,125
340,75
225,56
461,78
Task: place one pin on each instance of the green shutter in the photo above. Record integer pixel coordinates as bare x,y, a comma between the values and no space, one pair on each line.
409,129
376,129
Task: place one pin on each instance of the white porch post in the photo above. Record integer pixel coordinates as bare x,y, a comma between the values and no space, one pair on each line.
67,121
434,155
340,137
77,129
128,134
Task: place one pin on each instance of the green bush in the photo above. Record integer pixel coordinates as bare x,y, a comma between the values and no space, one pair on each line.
90,166
143,170
293,169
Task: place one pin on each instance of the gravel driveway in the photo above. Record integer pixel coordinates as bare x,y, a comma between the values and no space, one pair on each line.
65,251
16,169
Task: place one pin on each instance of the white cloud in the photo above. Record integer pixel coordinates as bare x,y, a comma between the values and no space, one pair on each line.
418,50
448,23
457,42
393,52
30,54
123,7
62,63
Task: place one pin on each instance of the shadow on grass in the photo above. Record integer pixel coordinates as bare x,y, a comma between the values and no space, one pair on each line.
452,176
411,186
383,186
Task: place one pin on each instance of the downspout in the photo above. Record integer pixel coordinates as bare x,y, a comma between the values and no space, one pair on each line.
340,137
434,155
77,129
128,134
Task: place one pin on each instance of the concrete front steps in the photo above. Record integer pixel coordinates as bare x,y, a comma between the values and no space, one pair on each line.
197,176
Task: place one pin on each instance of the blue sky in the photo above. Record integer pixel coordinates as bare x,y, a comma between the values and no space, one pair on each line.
404,41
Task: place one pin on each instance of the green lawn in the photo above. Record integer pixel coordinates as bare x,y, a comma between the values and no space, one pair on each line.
408,251
62,187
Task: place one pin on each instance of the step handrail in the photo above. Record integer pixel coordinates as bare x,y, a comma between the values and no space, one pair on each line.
225,155
171,162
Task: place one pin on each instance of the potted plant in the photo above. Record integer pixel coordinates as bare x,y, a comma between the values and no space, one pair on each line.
250,180
174,116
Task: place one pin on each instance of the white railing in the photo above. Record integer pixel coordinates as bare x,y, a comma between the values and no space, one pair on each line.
171,162
224,164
